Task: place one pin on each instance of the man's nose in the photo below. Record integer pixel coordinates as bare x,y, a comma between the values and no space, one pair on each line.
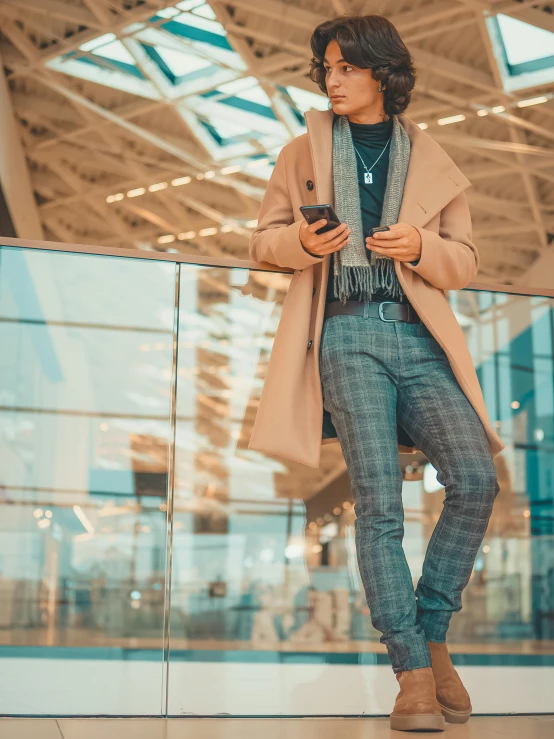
332,82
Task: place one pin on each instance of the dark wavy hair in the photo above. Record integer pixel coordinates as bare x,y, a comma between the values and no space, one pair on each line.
368,42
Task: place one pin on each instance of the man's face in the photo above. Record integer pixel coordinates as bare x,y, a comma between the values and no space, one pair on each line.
350,89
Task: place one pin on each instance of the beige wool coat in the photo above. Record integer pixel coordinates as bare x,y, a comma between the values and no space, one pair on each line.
291,422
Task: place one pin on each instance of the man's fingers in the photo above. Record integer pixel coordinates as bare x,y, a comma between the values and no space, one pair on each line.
383,235
335,233
313,227
336,244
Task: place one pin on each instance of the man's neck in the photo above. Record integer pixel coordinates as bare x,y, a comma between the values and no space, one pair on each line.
368,116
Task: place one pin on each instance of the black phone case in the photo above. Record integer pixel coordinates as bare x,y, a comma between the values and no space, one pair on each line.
314,213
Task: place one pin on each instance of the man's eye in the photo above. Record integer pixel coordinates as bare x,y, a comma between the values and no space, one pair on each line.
348,69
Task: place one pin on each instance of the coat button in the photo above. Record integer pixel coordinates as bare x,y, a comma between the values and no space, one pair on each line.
309,185
310,342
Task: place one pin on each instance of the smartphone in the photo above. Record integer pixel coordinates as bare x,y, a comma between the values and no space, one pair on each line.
313,213
378,228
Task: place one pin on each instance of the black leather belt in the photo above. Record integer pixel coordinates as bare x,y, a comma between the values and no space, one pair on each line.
386,310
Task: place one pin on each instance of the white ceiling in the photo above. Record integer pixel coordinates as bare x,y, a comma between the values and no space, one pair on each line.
116,96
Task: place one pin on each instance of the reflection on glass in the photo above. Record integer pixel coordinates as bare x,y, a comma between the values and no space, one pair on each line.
86,366
262,556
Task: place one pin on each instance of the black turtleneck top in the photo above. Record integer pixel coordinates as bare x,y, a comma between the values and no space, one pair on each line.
369,139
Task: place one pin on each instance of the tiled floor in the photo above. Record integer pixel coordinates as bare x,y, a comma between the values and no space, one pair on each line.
528,727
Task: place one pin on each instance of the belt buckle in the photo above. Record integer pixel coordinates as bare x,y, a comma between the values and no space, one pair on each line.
382,317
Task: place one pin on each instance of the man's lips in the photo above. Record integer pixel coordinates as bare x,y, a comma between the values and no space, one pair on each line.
336,97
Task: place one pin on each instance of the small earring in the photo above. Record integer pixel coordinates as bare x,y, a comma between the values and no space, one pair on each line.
380,89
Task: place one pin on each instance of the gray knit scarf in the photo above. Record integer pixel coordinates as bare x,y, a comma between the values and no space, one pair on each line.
357,268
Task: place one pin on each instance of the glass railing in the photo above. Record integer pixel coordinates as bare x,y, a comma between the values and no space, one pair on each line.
147,553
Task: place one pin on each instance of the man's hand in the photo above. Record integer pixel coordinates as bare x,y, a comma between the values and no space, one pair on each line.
402,242
325,243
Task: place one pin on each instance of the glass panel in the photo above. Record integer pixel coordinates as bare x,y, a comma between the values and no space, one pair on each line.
86,375
232,526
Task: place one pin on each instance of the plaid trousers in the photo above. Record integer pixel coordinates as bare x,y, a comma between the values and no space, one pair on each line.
373,374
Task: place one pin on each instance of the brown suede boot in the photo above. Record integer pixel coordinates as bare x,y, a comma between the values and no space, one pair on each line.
416,705
452,697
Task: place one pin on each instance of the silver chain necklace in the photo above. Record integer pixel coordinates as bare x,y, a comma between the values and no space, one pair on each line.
368,176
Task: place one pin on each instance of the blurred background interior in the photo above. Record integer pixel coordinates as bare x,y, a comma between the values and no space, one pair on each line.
135,523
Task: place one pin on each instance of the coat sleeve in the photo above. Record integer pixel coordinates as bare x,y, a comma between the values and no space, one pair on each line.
276,238
449,259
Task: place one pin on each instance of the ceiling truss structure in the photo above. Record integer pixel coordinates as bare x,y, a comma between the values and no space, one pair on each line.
97,124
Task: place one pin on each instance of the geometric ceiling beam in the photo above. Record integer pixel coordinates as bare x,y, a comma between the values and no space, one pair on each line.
540,273
100,12
300,51
466,141
70,43
60,231
424,33
509,206
152,72
212,213
56,9
200,133
21,41
148,215
460,73
200,85
167,204
281,111
479,15
427,16
477,172
530,189
125,111
14,170
275,63
488,205
149,68
462,104
111,78
37,108
289,14
100,208
151,138
141,133
505,253
509,229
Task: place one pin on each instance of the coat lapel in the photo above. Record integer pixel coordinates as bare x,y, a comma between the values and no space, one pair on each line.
431,182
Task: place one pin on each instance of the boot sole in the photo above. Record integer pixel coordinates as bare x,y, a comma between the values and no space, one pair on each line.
455,717
417,721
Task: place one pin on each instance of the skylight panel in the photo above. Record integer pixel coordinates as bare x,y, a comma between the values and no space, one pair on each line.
189,4
168,12
205,11
204,24
229,129
180,63
96,42
115,51
524,52
523,42
305,100
247,88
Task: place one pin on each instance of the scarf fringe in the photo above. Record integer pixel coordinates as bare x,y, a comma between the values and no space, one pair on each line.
382,274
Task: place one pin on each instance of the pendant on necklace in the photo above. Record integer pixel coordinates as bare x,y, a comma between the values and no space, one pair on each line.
368,178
